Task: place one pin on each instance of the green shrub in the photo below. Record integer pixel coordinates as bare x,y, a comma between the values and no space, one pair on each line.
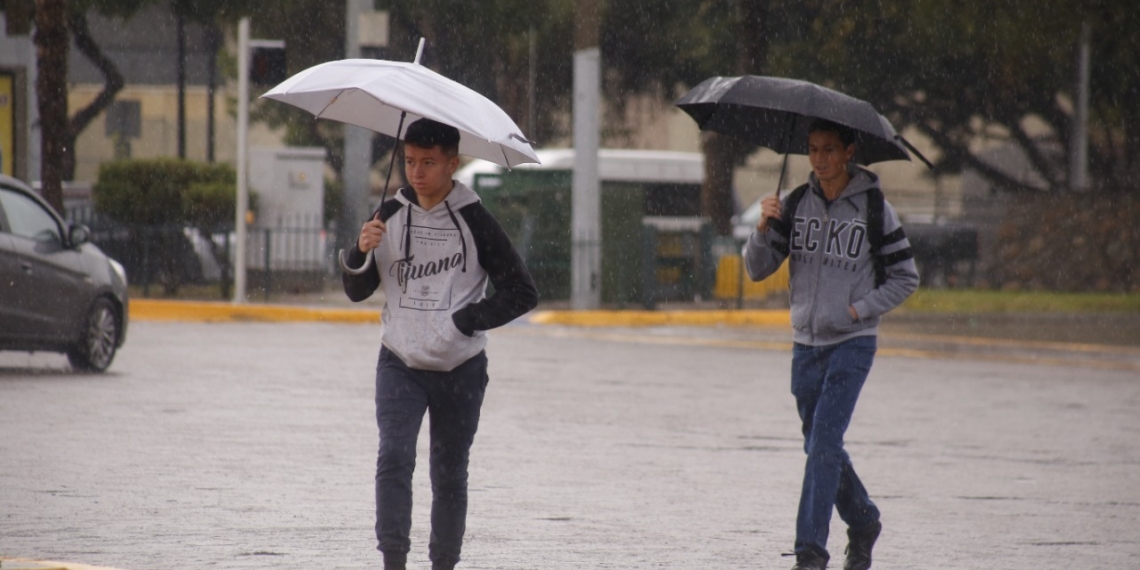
166,191
158,199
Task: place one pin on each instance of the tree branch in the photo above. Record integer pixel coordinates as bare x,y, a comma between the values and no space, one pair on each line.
962,155
1033,150
113,80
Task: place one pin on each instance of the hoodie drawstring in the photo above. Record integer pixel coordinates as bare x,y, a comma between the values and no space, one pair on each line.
408,242
462,240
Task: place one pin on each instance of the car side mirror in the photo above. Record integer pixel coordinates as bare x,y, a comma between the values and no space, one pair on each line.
78,234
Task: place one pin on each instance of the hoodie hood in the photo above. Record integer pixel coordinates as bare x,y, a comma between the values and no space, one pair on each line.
459,197
861,181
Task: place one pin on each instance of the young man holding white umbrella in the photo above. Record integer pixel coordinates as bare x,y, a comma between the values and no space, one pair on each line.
434,248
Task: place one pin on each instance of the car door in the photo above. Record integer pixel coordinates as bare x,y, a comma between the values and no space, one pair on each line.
12,291
52,294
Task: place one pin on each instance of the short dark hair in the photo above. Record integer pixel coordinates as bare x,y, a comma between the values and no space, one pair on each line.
846,134
426,133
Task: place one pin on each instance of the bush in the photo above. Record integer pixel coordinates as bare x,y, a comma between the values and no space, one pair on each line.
157,199
163,191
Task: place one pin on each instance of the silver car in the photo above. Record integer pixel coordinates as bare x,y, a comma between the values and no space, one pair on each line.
58,292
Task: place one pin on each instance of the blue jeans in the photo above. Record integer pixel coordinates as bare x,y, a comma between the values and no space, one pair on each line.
453,399
826,381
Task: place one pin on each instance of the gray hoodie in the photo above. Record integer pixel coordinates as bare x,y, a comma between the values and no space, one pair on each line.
831,262
435,266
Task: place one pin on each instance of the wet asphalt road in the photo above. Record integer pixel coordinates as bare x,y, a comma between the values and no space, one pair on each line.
250,445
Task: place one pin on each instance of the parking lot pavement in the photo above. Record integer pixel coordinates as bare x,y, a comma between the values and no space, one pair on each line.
251,445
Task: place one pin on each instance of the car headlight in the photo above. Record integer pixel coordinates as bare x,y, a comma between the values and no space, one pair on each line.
119,270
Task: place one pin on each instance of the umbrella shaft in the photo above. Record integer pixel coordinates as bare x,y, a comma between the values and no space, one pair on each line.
392,163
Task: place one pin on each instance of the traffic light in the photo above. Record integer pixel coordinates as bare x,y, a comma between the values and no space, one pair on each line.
267,62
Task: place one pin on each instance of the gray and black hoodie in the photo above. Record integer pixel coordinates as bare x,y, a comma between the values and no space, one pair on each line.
435,266
831,262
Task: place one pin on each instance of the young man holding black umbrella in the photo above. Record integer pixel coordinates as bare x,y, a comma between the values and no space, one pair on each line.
841,283
435,248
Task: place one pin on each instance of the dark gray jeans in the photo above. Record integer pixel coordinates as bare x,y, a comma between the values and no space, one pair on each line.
453,399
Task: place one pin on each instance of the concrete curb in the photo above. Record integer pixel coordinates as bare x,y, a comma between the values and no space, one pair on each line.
195,311
206,311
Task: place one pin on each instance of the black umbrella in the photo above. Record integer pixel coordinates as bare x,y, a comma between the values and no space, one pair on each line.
776,113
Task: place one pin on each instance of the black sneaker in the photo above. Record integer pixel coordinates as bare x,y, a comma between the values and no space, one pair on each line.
810,560
859,544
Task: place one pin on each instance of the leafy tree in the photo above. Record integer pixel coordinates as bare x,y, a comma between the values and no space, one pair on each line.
57,23
976,70
485,46
652,48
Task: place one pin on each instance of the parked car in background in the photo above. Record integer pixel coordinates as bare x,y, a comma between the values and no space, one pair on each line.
58,292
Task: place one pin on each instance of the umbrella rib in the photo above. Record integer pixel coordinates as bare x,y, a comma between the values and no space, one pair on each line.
505,159
329,104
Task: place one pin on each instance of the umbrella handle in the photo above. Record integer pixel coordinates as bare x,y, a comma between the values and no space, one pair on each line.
343,257
783,169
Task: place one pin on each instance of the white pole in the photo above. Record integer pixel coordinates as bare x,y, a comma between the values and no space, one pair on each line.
586,252
242,166
357,147
420,50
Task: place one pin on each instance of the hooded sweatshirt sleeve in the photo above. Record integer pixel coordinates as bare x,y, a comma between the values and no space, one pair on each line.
764,252
361,287
515,293
901,273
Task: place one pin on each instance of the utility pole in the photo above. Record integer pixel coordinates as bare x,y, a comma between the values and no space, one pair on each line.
531,81
586,235
242,162
1079,151
357,144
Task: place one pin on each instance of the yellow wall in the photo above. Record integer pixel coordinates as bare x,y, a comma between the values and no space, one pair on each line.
158,109
7,124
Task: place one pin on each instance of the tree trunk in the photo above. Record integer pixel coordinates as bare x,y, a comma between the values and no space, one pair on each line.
214,41
52,44
112,84
723,154
180,67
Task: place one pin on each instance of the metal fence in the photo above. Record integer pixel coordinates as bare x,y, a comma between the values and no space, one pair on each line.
288,254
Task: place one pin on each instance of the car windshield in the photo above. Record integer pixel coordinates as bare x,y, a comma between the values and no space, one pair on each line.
29,219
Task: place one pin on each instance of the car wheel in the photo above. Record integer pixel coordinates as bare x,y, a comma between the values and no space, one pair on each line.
96,346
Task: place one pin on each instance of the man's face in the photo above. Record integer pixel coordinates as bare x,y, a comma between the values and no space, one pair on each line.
429,170
828,156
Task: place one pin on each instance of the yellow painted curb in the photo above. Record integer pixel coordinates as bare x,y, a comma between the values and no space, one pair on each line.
661,318
157,310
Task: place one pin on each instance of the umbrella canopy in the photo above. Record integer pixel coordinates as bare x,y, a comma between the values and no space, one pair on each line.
776,113
376,94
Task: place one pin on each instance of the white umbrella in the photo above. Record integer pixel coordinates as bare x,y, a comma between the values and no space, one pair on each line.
377,94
